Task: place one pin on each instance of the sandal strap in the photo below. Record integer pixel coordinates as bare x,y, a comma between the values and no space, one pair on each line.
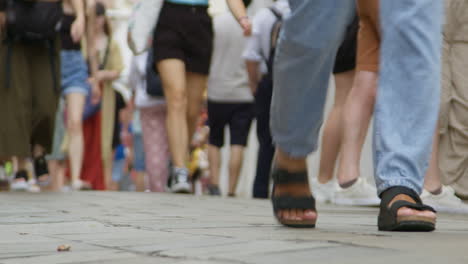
420,207
281,176
290,202
388,195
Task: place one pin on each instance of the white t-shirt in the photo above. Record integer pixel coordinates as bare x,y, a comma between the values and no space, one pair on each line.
228,80
137,82
258,44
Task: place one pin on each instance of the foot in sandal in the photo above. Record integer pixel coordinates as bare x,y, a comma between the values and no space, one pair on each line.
401,209
293,203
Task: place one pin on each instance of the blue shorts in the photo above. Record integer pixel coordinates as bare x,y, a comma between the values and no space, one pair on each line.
74,73
139,155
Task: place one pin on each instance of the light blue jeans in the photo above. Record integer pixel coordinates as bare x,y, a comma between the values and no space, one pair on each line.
408,94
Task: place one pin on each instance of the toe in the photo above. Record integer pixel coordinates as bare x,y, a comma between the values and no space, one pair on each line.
300,215
428,214
286,214
412,212
279,214
404,211
293,214
309,215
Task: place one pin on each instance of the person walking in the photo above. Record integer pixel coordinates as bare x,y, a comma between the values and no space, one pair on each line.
153,111
403,137
75,85
230,101
29,79
325,188
359,109
183,39
258,55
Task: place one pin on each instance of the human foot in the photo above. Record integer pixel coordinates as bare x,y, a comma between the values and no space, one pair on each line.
79,185
446,201
412,213
401,209
293,203
358,193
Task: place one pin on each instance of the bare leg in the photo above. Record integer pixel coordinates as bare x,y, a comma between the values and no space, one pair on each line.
172,73
110,185
235,164
214,158
332,132
358,111
432,181
140,182
75,108
57,174
196,85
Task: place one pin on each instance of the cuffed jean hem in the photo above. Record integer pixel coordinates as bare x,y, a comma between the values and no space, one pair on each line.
296,152
398,182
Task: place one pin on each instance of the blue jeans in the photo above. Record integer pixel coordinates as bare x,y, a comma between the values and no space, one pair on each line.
408,94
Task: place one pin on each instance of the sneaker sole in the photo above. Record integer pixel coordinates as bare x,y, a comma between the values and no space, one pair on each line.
181,188
359,202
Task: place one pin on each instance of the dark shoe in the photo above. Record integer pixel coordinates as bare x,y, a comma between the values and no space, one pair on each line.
4,185
390,221
42,171
4,182
213,190
287,202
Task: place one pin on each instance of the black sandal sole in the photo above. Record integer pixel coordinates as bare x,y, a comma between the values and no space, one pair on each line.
410,226
295,224
287,202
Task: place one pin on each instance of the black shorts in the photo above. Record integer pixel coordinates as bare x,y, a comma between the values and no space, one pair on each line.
185,32
238,116
346,55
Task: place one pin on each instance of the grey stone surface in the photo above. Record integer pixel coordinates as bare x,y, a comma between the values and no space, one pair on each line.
105,227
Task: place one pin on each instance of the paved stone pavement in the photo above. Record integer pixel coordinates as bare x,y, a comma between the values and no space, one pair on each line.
162,228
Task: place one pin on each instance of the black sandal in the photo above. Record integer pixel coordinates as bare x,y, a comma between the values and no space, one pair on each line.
286,202
388,219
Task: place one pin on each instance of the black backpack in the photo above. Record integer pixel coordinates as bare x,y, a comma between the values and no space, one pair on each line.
153,80
32,22
274,35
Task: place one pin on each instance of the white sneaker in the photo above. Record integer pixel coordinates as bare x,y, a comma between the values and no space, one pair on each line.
180,181
34,188
79,185
324,192
360,193
445,202
19,186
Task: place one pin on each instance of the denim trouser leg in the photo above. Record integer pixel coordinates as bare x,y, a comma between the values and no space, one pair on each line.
408,95
304,60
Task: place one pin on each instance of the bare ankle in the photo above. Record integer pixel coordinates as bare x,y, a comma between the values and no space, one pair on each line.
289,163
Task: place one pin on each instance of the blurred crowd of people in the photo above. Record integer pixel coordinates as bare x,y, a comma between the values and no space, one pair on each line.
65,127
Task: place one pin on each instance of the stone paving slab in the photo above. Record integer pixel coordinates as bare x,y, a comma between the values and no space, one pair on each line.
106,227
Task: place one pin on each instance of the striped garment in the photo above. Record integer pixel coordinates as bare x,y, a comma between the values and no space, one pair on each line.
189,2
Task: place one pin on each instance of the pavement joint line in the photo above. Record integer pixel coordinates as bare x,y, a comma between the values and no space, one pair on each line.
160,254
